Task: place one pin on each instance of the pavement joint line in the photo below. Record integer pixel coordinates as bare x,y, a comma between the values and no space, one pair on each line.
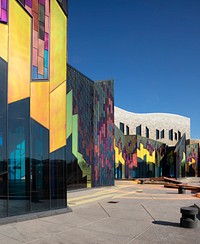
148,212
104,209
81,226
136,237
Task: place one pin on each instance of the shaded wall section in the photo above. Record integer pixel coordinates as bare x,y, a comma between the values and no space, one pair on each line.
192,159
90,131
119,143
103,167
180,152
80,92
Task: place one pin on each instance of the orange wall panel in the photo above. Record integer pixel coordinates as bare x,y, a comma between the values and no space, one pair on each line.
58,45
58,117
4,41
40,102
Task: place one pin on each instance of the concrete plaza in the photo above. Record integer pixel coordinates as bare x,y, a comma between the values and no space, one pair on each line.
125,213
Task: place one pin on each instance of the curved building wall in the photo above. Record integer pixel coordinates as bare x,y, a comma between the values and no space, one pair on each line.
163,127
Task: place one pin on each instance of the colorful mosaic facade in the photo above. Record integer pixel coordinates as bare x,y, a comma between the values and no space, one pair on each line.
192,159
32,111
137,156
150,154
180,152
39,10
90,132
119,143
103,167
81,90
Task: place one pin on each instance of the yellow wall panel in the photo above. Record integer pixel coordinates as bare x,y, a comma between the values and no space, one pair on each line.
58,117
19,68
143,152
40,102
4,41
58,44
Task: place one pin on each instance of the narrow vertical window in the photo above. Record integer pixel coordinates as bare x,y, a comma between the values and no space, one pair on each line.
157,134
121,126
127,130
147,132
162,134
171,134
138,130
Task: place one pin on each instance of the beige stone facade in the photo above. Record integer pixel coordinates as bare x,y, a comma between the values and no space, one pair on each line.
163,127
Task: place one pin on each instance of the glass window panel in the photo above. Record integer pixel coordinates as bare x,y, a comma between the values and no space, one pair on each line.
40,198
3,142
18,156
58,179
157,134
138,130
121,126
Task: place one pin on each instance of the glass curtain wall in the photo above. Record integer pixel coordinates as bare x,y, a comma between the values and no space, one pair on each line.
3,142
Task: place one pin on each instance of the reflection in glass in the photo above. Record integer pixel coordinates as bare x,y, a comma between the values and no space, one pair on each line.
3,162
58,179
39,167
18,157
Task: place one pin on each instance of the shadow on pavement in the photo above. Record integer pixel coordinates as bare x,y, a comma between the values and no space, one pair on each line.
166,223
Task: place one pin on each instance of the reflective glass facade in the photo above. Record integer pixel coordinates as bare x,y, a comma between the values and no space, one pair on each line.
32,106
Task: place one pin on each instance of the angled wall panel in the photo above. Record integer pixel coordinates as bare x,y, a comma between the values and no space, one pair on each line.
4,41
58,117
19,68
79,129
58,45
40,102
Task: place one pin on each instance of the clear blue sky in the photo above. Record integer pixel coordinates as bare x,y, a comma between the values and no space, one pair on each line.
151,48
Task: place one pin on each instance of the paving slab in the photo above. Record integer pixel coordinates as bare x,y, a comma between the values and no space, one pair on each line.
151,215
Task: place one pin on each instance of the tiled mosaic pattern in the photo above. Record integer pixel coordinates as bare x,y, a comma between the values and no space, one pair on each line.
192,159
130,153
103,167
119,143
82,88
3,11
137,156
39,10
93,105
150,154
180,151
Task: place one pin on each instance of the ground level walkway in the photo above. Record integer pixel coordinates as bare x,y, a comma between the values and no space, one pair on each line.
125,213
